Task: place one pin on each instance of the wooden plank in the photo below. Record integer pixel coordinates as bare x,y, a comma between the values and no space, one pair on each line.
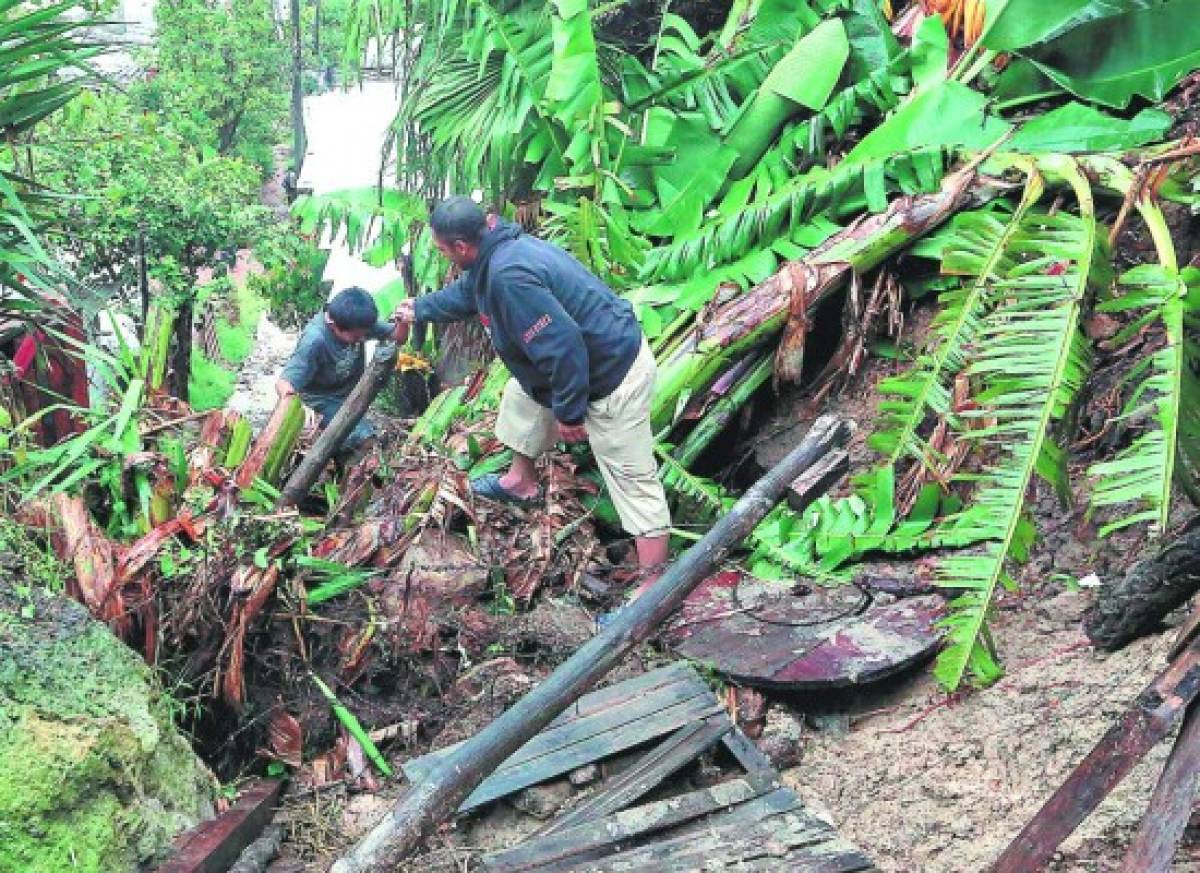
582,729
1150,718
664,681
765,806
602,742
569,848
656,765
715,846
833,856
747,754
1170,807
214,845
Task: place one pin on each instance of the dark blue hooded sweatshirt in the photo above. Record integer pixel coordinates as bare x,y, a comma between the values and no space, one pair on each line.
564,336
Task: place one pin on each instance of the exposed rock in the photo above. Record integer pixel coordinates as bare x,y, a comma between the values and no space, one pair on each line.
751,711
545,800
781,738
1066,608
93,774
585,775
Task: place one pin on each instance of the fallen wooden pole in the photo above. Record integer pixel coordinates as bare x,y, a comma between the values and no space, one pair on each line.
346,419
1139,728
436,798
1170,809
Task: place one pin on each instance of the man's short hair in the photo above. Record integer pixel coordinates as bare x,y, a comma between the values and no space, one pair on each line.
458,218
353,309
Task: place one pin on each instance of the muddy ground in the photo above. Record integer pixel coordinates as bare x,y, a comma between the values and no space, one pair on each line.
920,781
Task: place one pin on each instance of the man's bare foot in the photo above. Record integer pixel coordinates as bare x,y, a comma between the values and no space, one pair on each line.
518,486
648,577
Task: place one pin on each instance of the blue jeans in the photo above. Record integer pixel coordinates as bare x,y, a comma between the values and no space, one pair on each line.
326,406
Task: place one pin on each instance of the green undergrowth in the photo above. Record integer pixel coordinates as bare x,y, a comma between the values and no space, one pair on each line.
211,385
212,382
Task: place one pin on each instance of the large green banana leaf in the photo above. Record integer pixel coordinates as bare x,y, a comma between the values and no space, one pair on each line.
1076,127
1109,51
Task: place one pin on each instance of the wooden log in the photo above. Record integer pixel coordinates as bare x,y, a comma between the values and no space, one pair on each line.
1135,604
1148,720
346,419
436,797
1170,807
814,482
214,845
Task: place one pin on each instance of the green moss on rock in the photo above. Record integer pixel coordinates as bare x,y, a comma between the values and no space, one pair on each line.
93,774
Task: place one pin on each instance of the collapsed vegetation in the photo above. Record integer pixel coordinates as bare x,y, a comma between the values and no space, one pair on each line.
781,198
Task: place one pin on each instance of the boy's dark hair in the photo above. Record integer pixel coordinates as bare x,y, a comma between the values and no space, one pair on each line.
353,309
458,218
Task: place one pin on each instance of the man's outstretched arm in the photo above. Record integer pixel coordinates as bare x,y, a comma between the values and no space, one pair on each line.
452,303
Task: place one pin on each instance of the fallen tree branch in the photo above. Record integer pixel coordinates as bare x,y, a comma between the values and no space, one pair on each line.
346,419
458,774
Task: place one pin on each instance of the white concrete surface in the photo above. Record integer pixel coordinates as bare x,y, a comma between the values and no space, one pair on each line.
346,131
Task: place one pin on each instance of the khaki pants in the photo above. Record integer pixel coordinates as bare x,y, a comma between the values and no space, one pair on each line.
618,428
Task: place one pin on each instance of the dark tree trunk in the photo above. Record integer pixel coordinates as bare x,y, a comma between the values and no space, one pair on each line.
1134,605
299,140
317,32
181,356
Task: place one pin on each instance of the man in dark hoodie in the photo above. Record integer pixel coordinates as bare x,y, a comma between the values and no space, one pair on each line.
329,359
581,367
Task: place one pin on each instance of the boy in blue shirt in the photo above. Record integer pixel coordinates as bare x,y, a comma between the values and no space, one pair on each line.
330,359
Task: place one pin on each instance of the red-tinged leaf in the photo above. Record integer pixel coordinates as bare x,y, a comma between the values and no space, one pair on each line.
286,738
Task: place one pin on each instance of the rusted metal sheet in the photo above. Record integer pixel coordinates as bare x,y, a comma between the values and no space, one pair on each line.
213,846
765,634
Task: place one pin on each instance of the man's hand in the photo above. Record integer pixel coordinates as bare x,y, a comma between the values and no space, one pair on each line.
405,311
284,388
572,433
402,319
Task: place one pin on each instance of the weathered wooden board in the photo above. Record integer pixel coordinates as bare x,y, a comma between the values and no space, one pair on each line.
1150,719
772,832
764,634
670,755
572,847
748,823
212,846
1153,849
748,755
601,724
731,824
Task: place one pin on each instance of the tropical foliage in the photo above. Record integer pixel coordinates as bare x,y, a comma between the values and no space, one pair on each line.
220,74
42,58
711,176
